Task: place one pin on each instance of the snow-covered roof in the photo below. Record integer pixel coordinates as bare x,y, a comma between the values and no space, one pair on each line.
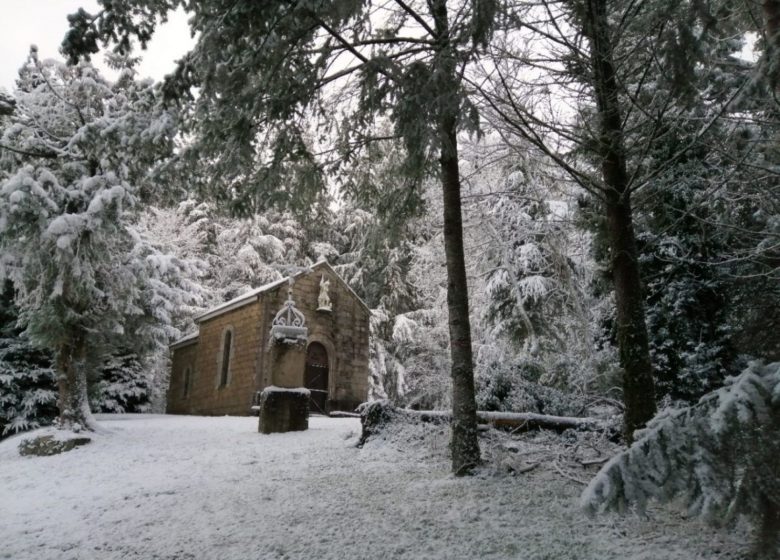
253,295
240,301
185,340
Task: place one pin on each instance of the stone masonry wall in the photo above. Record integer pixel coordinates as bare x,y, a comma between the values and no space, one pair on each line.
183,357
235,398
343,332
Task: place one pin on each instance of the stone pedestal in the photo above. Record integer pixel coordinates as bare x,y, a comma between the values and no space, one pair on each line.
283,410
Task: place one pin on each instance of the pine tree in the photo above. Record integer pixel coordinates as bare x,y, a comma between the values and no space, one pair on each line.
123,385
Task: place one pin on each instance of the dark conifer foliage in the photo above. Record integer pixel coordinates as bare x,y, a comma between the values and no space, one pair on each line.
28,392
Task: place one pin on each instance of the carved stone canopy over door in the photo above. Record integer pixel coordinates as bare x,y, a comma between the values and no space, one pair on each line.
316,377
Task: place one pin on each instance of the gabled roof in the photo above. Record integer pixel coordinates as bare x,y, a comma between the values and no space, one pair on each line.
254,295
240,301
185,340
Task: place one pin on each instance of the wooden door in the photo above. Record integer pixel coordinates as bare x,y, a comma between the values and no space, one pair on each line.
315,377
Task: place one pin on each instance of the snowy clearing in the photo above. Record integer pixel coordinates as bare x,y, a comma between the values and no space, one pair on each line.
176,487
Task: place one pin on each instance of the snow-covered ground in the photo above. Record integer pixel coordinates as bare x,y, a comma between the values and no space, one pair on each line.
191,488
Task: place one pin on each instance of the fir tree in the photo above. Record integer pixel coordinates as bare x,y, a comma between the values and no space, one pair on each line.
76,159
123,385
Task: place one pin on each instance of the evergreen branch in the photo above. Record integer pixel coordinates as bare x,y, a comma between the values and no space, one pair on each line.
350,47
561,34
417,17
393,41
48,155
57,94
694,141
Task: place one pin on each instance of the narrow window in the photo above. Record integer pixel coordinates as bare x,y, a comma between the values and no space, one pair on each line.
187,382
223,374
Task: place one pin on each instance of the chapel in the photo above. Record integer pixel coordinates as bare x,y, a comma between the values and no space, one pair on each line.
308,330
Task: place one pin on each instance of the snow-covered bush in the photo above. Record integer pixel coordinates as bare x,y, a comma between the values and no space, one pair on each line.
508,392
28,395
124,385
720,455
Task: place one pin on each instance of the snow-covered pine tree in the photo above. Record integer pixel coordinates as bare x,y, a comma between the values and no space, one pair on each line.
235,254
77,154
377,254
720,455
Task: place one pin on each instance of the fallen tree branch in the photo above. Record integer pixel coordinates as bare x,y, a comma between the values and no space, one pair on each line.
591,462
573,478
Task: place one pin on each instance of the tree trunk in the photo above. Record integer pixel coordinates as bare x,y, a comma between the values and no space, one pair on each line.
72,381
767,540
772,16
464,443
638,388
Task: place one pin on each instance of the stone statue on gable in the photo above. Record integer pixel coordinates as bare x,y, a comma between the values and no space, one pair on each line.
323,302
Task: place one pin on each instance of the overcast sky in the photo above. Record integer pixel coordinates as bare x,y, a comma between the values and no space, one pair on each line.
43,23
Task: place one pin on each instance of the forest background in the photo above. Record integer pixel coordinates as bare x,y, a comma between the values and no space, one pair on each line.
582,195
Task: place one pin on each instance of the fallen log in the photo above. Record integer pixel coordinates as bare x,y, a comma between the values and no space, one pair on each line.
374,414
519,421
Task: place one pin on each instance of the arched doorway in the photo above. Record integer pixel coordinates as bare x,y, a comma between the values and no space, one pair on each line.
315,378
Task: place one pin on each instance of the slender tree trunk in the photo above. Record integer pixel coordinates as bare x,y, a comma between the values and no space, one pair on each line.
772,16
638,387
464,443
72,381
767,540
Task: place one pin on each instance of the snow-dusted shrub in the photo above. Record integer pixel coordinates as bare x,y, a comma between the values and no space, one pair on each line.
383,423
508,383
373,416
508,391
721,455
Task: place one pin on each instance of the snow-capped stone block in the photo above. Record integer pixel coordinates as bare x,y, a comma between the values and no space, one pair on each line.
283,410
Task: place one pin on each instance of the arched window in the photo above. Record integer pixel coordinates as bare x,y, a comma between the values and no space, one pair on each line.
227,343
187,382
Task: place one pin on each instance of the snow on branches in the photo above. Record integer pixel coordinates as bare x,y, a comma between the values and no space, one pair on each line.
88,282
719,454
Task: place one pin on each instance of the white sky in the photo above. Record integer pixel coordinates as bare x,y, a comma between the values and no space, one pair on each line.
44,23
